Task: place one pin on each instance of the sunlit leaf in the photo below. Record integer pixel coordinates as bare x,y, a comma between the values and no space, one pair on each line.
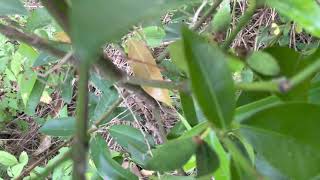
144,66
7,159
305,13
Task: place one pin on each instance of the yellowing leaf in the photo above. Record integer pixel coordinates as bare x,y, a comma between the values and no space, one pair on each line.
144,66
62,37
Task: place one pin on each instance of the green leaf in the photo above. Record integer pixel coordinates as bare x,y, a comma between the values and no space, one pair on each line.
211,79
132,140
223,171
15,170
59,127
188,108
108,97
7,159
173,32
67,89
293,129
305,13
170,177
23,158
222,18
263,63
245,111
38,19
106,166
35,96
89,34
44,59
196,130
172,155
11,7
178,56
207,160
153,35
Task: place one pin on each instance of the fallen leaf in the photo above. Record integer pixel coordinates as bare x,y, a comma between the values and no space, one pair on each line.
62,37
45,144
144,66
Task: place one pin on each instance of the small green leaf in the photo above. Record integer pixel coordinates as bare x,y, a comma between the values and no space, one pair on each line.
173,32
211,79
35,96
12,7
222,18
67,89
177,55
172,155
106,166
207,160
263,63
23,158
7,159
59,127
108,97
153,35
15,170
170,177
305,13
293,129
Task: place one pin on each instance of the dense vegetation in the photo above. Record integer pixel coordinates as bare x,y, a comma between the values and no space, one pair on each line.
159,89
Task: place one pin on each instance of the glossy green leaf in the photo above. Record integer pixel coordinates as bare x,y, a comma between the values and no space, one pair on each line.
11,7
196,130
222,18
207,160
172,155
211,79
106,166
305,13
293,129
188,108
59,127
263,63
7,159
91,20
35,96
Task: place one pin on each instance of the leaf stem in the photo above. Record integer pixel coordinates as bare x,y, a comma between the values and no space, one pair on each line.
245,18
271,86
80,147
305,73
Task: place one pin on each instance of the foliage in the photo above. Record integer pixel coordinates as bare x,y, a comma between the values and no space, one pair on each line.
250,115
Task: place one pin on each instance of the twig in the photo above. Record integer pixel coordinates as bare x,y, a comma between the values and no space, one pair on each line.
81,145
57,66
196,15
242,22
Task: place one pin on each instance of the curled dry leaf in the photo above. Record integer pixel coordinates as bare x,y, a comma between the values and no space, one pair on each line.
144,66
45,144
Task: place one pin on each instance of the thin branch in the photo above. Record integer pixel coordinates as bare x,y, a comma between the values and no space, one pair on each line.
196,15
81,145
207,15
